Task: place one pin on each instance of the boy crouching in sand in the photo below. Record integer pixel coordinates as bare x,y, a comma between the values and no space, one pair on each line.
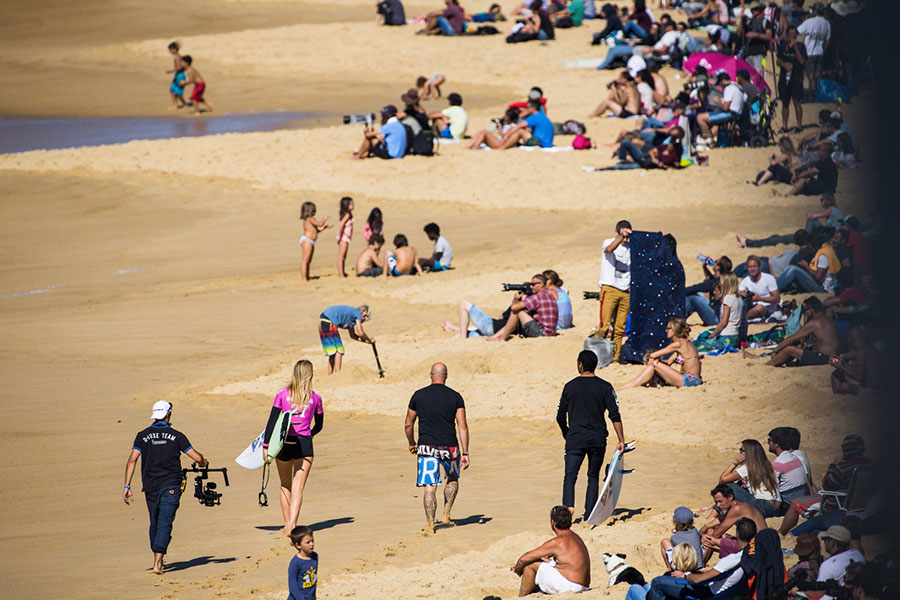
193,77
368,264
304,566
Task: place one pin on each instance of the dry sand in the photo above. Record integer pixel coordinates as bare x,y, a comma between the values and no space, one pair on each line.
169,269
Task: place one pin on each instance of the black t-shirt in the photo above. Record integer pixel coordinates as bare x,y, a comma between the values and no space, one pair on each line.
828,174
436,407
789,54
805,254
160,446
756,46
583,400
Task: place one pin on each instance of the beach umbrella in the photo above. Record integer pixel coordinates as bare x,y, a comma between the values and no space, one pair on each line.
714,61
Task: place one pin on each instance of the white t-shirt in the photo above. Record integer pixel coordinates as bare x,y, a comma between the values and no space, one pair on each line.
443,246
835,567
615,268
828,282
736,96
758,493
805,460
734,316
459,120
667,41
764,287
726,564
646,94
815,31
790,471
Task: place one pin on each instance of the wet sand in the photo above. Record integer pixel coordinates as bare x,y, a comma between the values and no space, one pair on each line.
170,270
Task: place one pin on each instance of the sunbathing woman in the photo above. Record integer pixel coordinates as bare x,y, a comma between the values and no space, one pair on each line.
682,350
781,167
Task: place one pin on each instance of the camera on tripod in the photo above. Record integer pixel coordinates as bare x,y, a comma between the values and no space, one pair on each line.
525,288
367,118
206,494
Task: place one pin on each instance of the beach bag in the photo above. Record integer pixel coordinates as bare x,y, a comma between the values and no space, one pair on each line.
423,143
832,91
515,38
573,127
279,433
486,30
603,348
581,142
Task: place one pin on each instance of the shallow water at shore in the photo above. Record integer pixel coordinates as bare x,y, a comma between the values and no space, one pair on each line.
24,134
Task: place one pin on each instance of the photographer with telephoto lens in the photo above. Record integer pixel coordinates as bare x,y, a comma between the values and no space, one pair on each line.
159,447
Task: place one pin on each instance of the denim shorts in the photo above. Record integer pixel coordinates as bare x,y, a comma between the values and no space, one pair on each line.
720,116
688,380
482,321
445,26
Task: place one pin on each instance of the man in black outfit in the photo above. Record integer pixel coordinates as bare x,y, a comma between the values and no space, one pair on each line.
439,410
818,178
159,447
580,418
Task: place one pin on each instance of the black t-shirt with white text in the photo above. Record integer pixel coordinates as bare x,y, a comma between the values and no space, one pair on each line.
436,407
161,447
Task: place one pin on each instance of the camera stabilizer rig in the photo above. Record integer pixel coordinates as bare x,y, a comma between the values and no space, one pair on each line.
206,494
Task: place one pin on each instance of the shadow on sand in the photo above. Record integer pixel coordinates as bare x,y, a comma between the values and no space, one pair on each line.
196,562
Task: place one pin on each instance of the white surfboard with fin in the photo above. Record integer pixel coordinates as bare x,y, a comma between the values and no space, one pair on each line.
252,457
612,487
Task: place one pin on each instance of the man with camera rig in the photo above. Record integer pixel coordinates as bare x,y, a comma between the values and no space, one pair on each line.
536,313
159,447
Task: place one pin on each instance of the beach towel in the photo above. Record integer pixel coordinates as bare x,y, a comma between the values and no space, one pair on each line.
657,292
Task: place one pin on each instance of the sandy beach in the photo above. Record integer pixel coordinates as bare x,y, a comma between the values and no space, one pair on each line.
169,269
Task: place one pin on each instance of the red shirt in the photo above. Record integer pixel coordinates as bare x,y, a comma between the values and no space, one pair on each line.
542,306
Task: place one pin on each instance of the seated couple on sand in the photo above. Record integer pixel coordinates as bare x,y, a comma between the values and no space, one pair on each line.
539,314
680,351
534,128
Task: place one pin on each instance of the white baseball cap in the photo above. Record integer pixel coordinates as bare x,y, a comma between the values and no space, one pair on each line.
160,410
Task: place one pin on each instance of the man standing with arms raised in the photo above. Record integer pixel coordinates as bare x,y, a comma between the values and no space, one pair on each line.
439,410
615,285
159,448
580,418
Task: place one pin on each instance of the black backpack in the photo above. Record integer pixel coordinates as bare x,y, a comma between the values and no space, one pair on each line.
423,144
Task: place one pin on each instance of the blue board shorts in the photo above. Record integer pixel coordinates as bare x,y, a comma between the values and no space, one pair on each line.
175,88
432,459
445,133
690,380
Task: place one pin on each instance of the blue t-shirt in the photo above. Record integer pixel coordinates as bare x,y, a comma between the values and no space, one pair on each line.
302,577
394,137
343,316
541,128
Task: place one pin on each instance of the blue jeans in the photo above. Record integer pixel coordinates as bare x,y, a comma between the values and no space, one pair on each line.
542,35
797,277
637,592
445,26
632,28
698,303
740,271
482,321
574,459
772,240
614,53
628,148
819,522
162,505
666,586
652,122
718,117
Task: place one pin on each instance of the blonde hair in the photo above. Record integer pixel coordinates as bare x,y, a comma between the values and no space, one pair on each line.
680,328
786,145
684,557
365,311
729,284
301,385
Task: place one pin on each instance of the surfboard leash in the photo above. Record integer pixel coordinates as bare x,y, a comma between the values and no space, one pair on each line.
263,499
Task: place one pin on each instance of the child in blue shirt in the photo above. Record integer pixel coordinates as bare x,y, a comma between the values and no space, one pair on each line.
302,572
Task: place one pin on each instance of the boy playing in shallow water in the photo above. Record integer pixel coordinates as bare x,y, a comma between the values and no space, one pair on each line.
176,88
193,77
304,567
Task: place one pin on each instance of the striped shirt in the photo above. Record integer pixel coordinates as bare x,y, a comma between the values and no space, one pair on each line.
789,471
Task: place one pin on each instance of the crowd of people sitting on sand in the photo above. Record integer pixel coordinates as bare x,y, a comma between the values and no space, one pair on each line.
402,260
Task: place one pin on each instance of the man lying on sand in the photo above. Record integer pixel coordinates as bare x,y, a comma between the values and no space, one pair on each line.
559,565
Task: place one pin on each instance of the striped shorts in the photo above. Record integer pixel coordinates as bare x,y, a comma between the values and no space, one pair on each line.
331,337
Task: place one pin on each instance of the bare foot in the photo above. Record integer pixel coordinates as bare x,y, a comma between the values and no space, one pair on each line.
449,327
429,528
741,240
156,571
447,522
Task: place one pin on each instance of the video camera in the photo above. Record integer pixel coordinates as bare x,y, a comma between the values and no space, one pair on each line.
525,288
206,494
800,581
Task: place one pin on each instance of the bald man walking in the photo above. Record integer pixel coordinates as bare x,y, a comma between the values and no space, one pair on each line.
440,410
